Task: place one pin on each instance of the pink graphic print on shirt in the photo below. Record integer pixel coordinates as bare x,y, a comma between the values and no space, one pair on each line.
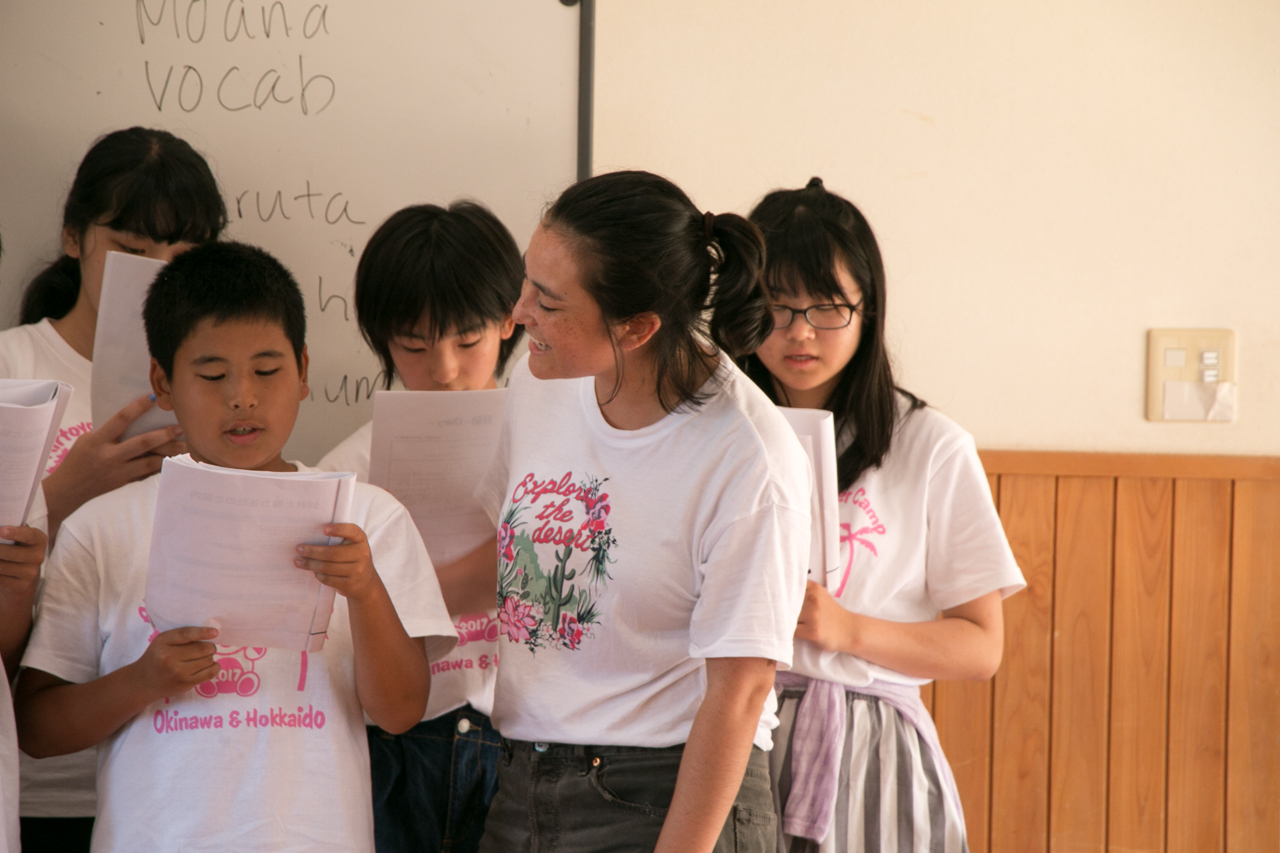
66,437
861,536
235,672
235,667
553,608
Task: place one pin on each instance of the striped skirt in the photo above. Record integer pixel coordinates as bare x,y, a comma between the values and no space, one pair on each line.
890,798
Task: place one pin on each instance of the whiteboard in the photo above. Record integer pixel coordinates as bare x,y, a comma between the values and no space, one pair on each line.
319,121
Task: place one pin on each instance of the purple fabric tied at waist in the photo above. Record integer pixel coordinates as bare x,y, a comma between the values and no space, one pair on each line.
817,743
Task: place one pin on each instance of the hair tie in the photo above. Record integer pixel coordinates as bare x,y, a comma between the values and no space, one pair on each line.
814,184
708,224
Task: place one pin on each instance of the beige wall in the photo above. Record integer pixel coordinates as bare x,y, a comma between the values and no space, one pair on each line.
1047,181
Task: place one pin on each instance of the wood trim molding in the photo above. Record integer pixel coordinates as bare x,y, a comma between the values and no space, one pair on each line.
1069,464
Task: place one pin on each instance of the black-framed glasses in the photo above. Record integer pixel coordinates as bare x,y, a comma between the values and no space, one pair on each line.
827,317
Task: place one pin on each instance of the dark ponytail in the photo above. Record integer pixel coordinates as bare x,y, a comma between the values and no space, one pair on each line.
808,232
644,247
144,181
53,292
740,318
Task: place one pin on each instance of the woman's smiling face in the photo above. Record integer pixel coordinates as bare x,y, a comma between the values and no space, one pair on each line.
568,335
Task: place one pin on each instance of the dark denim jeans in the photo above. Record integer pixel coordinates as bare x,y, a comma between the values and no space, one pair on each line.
433,784
566,798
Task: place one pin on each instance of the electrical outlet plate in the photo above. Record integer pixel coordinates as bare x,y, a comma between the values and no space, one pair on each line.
1191,375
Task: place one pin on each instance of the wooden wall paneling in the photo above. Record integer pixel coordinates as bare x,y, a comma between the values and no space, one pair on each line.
1139,664
1020,708
1253,724
1198,666
1081,664
962,713
1166,465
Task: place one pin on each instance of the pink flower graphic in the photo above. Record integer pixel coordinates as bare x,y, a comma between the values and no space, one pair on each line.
516,618
597,511
506,536
570,631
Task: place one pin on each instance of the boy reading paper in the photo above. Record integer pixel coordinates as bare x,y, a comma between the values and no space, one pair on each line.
268,751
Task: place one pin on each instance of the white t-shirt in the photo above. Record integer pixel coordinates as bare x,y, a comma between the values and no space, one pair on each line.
918,535
270,756
468,673
627,557
10,836
61,786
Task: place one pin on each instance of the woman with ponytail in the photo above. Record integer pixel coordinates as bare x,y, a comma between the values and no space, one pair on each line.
924,561
144,192
653,533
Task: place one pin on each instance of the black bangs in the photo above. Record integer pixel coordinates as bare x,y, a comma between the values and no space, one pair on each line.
457,268
148,202
222,281
140,180
801,259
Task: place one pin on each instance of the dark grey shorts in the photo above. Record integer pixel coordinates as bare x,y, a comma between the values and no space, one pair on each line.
567,798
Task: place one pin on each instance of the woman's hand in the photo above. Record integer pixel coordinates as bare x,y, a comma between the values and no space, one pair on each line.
100,462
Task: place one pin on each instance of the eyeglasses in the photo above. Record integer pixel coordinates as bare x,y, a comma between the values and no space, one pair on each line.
827,317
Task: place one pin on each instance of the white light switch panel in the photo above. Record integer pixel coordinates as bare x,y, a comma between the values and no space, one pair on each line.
1191,375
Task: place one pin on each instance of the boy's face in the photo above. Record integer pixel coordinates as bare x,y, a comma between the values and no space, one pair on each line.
452,362
235,389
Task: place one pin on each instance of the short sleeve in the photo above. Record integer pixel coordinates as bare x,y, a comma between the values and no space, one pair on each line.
968,554
410,579
66,639
752,587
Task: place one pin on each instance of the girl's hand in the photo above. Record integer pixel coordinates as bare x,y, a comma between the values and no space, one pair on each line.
20,562
99,461
19,578
824,622
176,661
348,567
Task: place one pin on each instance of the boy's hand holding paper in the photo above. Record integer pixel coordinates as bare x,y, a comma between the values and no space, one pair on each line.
348,567
176,661
223,550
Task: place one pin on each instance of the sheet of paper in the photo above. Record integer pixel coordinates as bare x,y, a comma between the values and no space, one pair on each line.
430,448
30,414
222,553
121,361
817,433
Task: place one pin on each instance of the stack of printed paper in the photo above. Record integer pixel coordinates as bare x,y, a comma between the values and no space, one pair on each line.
222,552
30,414
816,430
121,360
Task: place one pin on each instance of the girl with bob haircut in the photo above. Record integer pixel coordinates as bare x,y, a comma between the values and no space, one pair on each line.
434,293
653,533
145,192
858,764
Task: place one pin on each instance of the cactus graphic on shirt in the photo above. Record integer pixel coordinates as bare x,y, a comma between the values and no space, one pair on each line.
555,608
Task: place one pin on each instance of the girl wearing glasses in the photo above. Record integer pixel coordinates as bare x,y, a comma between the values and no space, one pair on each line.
924,562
